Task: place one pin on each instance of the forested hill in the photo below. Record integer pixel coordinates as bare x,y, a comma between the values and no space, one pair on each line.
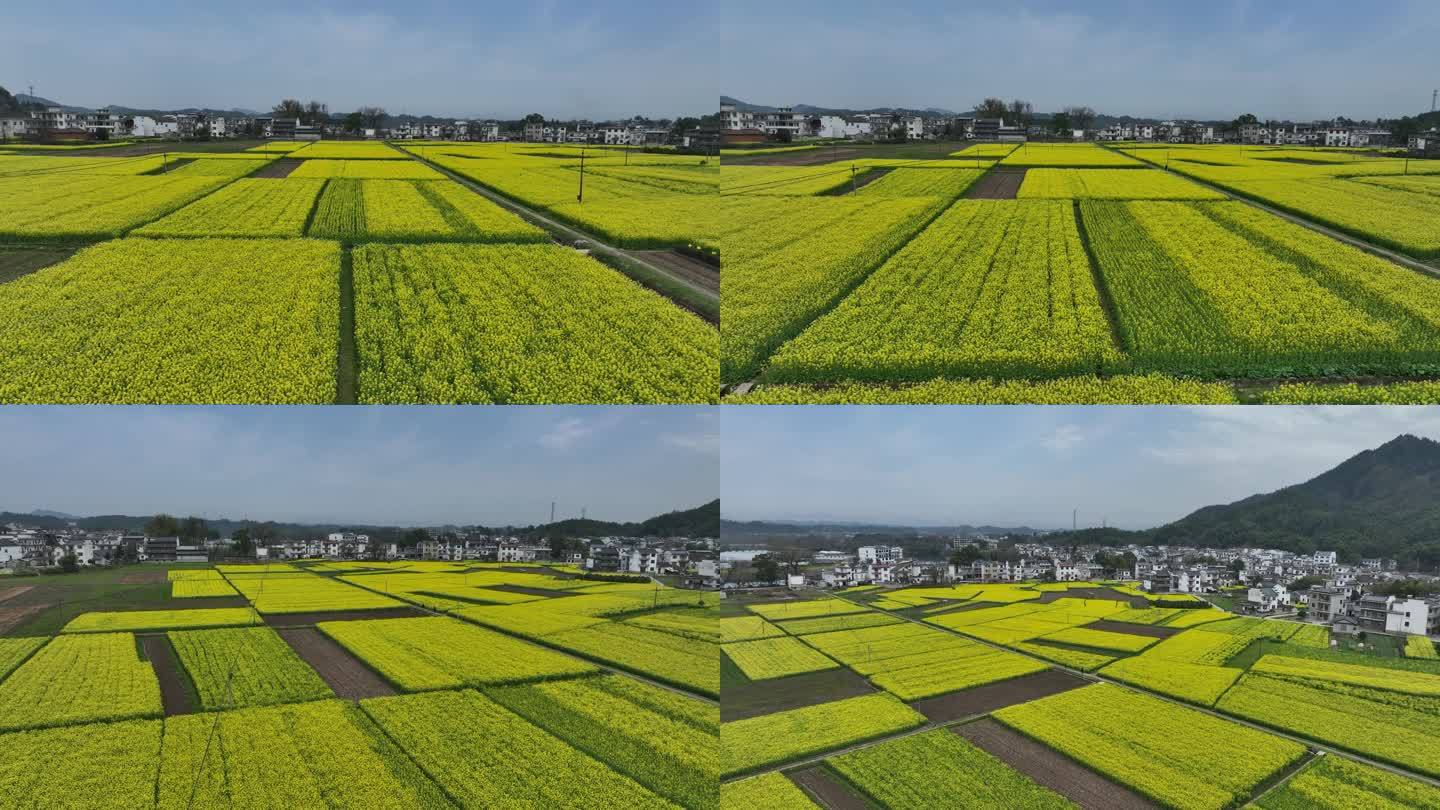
1380,503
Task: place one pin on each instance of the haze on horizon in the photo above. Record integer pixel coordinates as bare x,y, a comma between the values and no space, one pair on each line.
1132,467
392,465
444,58
1283,59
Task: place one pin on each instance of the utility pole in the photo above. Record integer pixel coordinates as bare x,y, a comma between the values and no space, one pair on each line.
580,198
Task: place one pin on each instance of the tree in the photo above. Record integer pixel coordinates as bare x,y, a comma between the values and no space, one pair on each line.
414,537
1080,117
1237,567
354,122
289,108
316,113
1060,123
965,555
1023,112
766,569
561,547
1305,582
241,543
162,525
534,118
69,564
791,559
1247,118
374,117
990,108
899,131
194,529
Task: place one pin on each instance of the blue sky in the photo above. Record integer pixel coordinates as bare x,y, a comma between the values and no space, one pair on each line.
449,58
1214,59
1008,465
394,465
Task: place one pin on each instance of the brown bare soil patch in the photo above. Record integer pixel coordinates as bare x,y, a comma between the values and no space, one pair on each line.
14,616
278,169
11,593
144,578
829,790
998,184
1052,769
1094,593
776,695
308,619
1153,631
173,694
347,675
22,261
988,698
530,591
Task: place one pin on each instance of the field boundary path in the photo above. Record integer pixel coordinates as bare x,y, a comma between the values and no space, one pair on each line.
348,676
1097,678
174,696
1353,241
11,593
708,298
315,617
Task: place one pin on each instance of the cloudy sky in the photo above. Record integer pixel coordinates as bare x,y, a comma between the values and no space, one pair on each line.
1139,467
392,465
1216,59
439,57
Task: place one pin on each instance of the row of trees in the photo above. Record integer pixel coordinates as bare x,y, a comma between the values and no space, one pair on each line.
1022,113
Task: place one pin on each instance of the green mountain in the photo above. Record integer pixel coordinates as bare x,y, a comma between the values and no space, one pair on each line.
1380,503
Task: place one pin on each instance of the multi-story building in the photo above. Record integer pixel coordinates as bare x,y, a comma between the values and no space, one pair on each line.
1418,617
1372,611
1327,603
880,554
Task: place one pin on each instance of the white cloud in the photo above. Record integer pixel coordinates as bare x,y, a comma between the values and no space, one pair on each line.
565,434
1064,437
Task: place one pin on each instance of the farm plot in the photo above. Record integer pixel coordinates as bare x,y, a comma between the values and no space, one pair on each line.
826,624
341,150
161,620
1177,756
1383,725
485,755
96,766
186,321
414,211
697,624
520,324
787,261
927,182
1218,288
443,653
686,663
776,658
786,181
198,588
251,666
80,679
1122,390
989,288
1078,156
209,167
285,592
914,662
305,755
1427,184
1393,680
747,628
244,208
931,769
14,651
1100,639
368,169
668,743
1111,184
77,207
773,739
805,609
1335,783
771,791
1420,647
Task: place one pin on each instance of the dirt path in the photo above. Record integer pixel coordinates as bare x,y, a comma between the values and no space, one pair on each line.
144,578
22,261
997,184
346,674
173,694
1151,630
687,267
988,698
829,791
1052,769
310,619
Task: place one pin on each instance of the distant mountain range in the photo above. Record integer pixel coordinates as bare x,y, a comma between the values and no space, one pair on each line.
23,98
733,529
702,521
1380,503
